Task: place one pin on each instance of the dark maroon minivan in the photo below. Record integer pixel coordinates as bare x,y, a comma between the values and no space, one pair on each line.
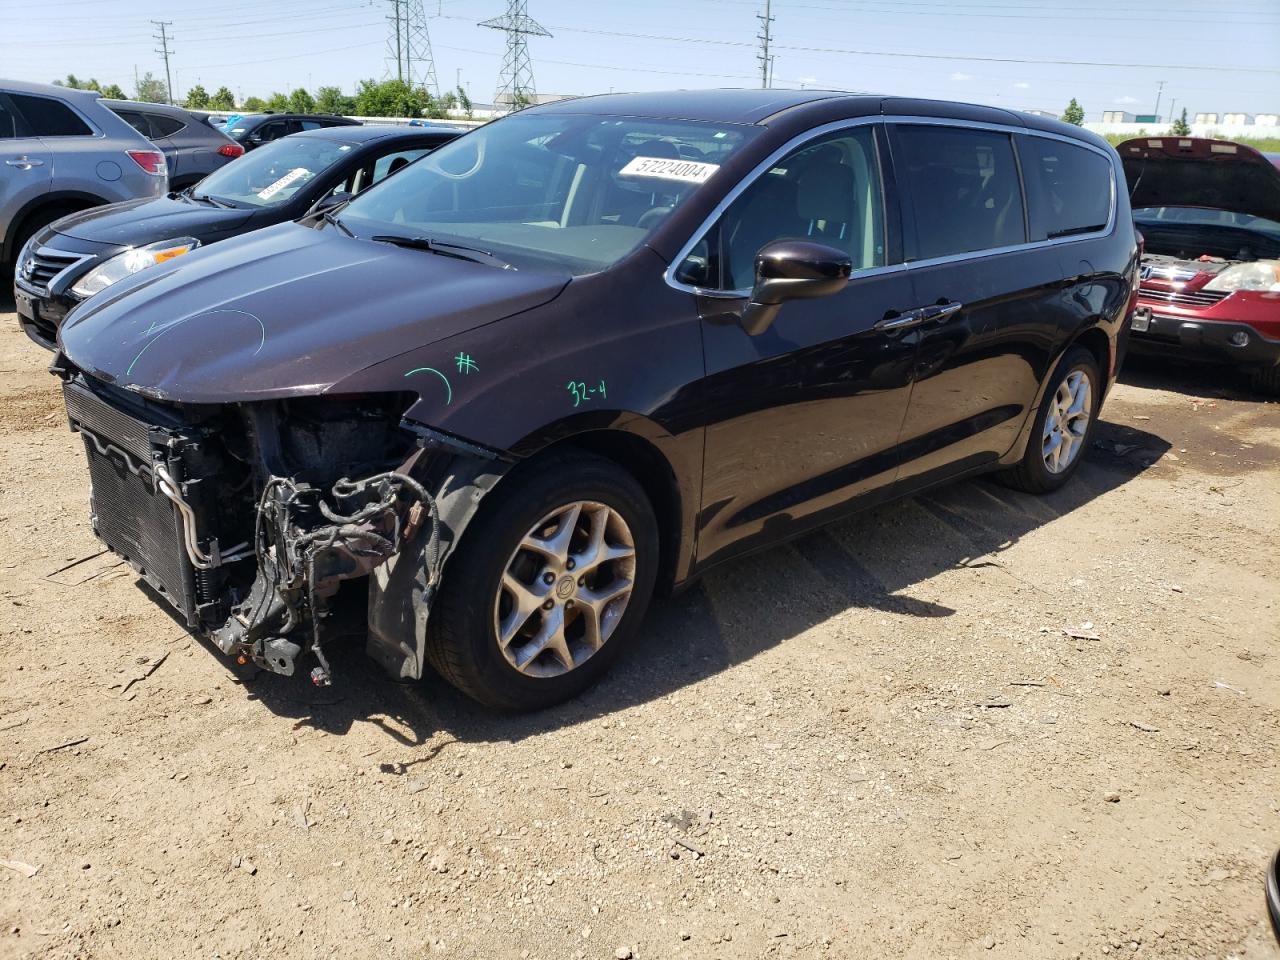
584,353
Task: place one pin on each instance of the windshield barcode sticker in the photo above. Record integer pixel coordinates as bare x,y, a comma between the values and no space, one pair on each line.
295,174
690,171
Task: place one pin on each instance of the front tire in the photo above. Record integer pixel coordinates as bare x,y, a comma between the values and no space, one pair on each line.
548,584
1063,426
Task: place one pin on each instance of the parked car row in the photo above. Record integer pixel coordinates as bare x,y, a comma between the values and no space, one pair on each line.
83,254
67,150
577,355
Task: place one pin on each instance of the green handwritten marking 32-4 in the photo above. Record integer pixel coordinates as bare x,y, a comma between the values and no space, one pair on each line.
582,393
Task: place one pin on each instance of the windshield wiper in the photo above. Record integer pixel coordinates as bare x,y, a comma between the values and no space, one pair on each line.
328,216
215,201
445,249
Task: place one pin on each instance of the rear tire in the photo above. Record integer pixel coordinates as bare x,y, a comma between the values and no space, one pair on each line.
1266,381
34,222
494,577
1065,417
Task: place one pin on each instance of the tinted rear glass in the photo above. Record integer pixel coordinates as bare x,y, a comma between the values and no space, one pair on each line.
10,122
1068,188
50,118
963,188
165,126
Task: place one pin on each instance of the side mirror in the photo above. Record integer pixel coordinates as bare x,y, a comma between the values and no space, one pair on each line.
792,270
330,202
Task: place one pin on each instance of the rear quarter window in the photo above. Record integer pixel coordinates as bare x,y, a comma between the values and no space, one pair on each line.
47,117
165,126
1068,188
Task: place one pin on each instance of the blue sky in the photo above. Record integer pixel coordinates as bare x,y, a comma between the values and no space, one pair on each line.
1228,60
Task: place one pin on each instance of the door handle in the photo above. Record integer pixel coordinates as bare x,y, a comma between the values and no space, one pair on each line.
938,312
25,163
899,321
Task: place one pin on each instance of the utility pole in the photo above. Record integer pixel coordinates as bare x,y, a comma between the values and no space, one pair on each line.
164,38
1159,91
766,61
394,43
1173,109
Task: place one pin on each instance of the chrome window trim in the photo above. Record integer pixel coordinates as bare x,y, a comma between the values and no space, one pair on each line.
800,139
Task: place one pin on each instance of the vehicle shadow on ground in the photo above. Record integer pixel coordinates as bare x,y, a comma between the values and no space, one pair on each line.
1191,379
701,632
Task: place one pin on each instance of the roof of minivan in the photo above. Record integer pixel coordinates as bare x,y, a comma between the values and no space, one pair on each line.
764,106
145,105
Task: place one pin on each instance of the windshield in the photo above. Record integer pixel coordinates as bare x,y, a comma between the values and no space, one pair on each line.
549,191
272,174
1204,217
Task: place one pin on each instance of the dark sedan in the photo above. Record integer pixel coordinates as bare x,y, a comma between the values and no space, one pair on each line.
82,254
591,350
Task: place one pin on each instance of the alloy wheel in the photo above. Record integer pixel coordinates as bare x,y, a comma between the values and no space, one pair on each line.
564,589
1067,422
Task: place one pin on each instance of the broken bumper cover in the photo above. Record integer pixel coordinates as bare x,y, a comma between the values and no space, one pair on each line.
255,564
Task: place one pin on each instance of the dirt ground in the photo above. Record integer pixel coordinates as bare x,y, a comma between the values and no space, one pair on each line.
874,742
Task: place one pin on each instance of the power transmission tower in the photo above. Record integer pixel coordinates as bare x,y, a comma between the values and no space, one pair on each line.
766,60
515,80
420,65
409,45
164,38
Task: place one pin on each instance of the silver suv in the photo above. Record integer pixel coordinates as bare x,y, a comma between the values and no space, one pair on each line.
61,150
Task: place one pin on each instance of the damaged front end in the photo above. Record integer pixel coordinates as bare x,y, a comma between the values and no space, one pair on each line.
247,518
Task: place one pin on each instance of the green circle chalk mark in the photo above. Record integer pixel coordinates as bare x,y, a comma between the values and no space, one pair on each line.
449,397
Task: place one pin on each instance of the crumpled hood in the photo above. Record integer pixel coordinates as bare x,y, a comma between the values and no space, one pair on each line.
1193,172
135,222
285,311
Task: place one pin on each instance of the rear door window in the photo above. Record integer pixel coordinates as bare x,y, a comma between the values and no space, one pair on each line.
962,188
1068,188
50,118
11,124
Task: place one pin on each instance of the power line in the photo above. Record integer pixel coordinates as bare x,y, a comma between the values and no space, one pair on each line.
163,26
515,79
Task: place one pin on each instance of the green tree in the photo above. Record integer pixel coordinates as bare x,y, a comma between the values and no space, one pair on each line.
333,100
253,105
151,89
112,91
391,98
278,103
301,102
464,102
223,99
1180,126
1074,113
197,98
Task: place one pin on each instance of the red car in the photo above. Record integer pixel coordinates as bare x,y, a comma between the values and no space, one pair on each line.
1209,211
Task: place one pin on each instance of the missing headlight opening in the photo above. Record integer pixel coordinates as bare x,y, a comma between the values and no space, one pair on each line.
247,519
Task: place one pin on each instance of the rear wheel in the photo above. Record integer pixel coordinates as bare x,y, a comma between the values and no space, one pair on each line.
547,586
1063,426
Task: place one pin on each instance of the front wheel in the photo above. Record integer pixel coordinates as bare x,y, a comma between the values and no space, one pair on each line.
548,584
1062,427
